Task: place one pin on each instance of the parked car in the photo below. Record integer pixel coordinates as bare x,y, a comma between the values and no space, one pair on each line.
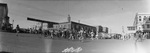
117,36
104,36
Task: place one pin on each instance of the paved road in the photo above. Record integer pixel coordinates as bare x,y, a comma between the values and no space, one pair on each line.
31,43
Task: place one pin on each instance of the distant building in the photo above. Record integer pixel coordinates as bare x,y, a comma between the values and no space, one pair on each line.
65,25
131,29
74,26
4,19
141,23
43,24
70,25
99,29
105,29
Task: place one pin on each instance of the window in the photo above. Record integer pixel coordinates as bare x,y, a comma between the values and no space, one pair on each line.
140,19
148,26
139,28
143,26
139,16
144,16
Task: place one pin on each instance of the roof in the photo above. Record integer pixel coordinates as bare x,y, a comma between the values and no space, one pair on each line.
77,23
38,20
63,22
143,13
3,3
81,24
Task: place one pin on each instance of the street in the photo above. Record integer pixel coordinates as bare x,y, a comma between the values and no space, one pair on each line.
33,43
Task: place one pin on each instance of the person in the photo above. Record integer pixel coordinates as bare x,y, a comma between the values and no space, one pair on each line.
17,30
97,36
62,33
92,35
71,35
139,36
51,34
81,34
144,36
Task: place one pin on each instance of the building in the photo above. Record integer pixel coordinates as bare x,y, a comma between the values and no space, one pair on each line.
74,26
131,29
64,25
4,19
77,26
43,24
99,29
105,29
141,23
71,25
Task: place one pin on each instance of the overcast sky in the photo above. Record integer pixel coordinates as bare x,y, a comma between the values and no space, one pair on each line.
109,13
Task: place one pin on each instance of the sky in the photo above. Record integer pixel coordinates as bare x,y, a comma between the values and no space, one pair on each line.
108,13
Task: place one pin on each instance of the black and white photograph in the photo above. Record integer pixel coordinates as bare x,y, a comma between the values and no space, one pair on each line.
74,26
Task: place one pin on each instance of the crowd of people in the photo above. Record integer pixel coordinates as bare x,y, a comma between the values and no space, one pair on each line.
70,34
142,36
80,34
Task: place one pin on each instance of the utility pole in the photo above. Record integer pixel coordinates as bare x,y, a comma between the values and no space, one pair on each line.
12,23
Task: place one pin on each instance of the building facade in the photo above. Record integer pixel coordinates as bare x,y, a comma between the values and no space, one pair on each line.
43,24
74,26
131,29
99,29
4,19
141,23
65,25
105,29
